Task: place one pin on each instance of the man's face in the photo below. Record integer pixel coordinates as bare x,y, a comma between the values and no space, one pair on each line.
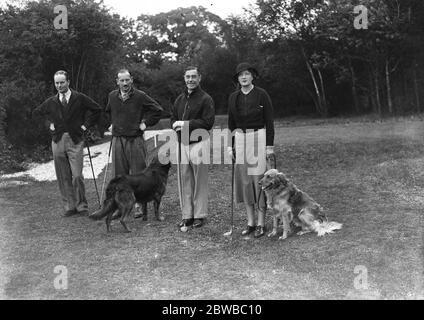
61,84
124,81
192,79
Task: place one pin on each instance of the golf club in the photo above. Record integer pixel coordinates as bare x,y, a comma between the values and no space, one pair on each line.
184,228
229,233
92,170
107,167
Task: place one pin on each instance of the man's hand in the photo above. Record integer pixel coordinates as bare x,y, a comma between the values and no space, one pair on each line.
143,126
178,125
83,128
110,128
52,127
89,135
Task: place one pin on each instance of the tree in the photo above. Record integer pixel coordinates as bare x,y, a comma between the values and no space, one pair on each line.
177,35
167,42
32,50
295,21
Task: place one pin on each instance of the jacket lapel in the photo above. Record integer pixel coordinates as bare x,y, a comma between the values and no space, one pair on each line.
71,99
59,105
56,99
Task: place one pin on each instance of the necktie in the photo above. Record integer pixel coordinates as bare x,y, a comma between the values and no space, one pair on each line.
64,102
124,96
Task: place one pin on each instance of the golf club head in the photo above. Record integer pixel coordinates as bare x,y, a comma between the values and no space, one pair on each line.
229,233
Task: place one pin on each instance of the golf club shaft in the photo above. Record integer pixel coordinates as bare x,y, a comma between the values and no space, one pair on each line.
232,195
179,182
107,167
92,170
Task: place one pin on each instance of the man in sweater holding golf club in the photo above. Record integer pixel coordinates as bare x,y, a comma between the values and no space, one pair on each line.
193,109
130,112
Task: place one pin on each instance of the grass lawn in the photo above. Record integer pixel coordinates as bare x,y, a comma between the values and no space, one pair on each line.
368,176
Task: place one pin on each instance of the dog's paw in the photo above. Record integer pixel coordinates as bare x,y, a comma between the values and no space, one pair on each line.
302,232
160,218
272,234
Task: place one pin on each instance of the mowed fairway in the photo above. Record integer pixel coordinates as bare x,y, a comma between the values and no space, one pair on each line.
368,176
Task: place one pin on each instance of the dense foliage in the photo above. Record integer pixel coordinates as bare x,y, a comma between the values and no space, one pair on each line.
311,58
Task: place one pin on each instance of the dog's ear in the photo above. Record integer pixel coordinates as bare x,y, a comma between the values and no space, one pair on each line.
282,178
291,186
159,159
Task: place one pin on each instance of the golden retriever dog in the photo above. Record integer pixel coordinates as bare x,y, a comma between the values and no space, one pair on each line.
293,206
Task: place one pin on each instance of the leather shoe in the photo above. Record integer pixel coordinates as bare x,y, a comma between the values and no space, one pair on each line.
186,222
260,231
69,213
83,212
248,230
139,214
198,223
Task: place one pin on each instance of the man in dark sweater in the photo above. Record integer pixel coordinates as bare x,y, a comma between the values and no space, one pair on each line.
193,109
69,114
130,112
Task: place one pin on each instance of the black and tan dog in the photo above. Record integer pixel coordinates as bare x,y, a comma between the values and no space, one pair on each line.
124,191
291,205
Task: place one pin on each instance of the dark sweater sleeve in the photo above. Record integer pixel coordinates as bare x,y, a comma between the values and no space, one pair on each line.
107,112
208,116
93,110
152,111
174,113
268,118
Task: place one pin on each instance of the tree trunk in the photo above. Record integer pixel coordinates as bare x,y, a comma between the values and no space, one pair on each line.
3,124
324,100
371,95
312,95
354,91
389,88
311,72
377,92
83,76
417,94
72,71
405,85
82,61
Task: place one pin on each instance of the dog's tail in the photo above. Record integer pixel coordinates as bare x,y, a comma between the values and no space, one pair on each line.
325,227
108,205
